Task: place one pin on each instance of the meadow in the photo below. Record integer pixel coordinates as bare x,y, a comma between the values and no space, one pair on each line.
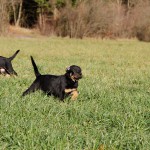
113,107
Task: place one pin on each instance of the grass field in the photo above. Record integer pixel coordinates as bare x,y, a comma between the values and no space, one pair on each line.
112,110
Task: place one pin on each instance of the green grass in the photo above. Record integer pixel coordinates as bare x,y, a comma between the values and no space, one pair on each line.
113,108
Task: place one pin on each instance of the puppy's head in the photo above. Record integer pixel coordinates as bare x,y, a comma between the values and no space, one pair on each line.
74,72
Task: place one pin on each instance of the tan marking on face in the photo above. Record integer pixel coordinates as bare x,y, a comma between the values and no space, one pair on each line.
74,95
72,77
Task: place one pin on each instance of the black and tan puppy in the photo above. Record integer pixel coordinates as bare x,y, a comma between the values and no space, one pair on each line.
58,86
6,65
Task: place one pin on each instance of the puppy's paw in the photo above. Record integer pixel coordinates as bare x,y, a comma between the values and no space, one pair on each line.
74,95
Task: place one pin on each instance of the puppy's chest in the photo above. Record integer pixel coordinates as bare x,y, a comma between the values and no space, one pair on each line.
71,85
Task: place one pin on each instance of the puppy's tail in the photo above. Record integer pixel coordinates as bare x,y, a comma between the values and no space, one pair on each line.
13,56
36,71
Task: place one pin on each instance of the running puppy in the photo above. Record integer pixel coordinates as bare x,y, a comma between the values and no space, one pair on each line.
58,86
6,65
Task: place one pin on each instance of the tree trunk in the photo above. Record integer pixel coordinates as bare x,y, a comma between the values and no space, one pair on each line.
17,18
19,14
14,11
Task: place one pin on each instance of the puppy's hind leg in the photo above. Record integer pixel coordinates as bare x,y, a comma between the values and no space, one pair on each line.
10,69
34,86
62,96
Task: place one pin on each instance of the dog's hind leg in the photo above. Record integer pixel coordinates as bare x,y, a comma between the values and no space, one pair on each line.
34,86
62,95
4,72
10,69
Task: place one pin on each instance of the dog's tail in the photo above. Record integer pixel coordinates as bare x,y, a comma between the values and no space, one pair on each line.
36,71
13,56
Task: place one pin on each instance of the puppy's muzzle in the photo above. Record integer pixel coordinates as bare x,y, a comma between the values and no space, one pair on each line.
77,76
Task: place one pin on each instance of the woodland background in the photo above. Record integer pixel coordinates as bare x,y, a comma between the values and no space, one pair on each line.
79,18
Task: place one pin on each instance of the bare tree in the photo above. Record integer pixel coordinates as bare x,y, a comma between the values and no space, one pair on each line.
17,11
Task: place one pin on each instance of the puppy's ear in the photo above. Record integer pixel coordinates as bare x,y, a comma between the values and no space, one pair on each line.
68,69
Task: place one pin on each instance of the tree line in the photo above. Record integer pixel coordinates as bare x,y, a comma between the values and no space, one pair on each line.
79,18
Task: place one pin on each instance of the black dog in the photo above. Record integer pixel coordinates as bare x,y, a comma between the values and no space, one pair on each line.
6,65
58,86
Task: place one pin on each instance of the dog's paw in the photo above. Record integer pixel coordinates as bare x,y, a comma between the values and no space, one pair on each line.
74,95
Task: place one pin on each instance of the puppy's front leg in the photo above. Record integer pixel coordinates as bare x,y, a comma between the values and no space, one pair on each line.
69,90
74,95
73,92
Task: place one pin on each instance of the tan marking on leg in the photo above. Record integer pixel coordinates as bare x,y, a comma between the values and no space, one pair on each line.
74,95
69,90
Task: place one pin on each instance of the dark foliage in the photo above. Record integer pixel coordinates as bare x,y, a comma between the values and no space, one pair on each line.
143,34
29,13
